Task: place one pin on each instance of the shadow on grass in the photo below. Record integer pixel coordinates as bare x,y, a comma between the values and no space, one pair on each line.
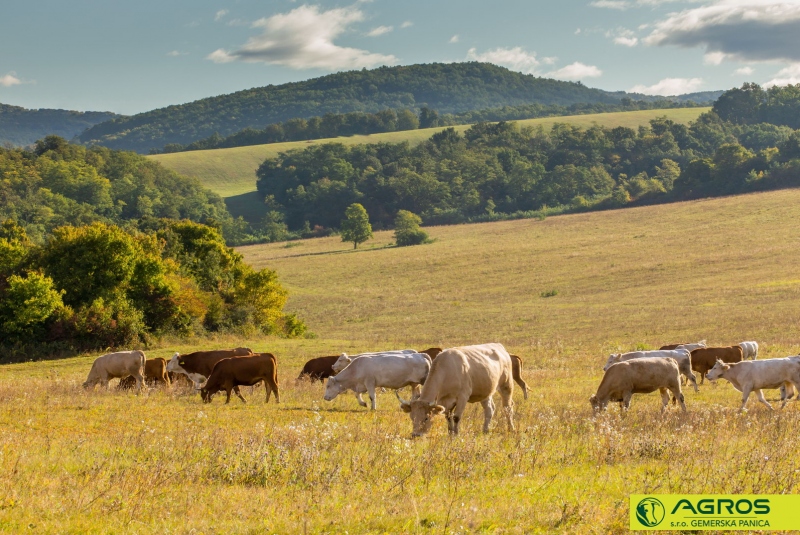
341,251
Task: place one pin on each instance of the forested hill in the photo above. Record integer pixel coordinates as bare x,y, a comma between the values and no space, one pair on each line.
20,127
446,88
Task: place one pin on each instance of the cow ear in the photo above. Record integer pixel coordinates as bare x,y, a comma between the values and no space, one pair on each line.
437,409
405,406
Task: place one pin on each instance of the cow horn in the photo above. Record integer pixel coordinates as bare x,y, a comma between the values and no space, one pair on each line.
401,400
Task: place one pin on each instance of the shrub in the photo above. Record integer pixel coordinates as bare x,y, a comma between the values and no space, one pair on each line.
27,303
407,231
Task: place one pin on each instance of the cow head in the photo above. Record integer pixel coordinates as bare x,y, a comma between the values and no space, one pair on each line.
717,371
612,359
333,389
596,405
421,412
341,363
174,364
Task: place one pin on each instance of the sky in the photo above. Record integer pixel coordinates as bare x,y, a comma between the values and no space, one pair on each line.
130,57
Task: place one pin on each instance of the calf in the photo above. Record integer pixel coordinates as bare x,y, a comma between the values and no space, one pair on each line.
748,376
639,376
681,356
155,372
318,369
390,370
197,366
705,358
231,373
117,365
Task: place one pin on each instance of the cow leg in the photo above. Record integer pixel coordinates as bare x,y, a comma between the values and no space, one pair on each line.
693,380
626,400
506,392
760,396
702,377
238,393
228,399
458,410
371,391
449,417
488,412
270,386
139,383
664,398
360,400
745,395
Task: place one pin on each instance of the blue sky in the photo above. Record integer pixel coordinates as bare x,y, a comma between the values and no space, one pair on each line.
129,57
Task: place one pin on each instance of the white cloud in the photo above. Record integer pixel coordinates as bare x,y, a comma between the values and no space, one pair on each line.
304,39
551,60
742,30
669,87
454,39
515,58
176,53
746,71
221,13
626,41
714,58
628,4
407,24
10,79
576,71
787,75
380,30
578,31
611,4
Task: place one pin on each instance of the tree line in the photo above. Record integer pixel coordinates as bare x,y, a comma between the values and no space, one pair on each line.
359,123
97,286
495,171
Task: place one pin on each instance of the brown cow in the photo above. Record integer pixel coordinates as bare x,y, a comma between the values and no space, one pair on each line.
155,371
228,374
704,359
516,368
318,369
198,365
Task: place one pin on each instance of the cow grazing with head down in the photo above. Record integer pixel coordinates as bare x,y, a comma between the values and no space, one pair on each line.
197,366
155,372
318,369
231,373
389,370
705,358
681,356
461,375
117,365
748,376
638,376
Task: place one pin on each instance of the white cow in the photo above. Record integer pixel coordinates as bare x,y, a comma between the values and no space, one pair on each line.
749,350
691,347
344,359
682,357
368,372
748,376
461,375
638,376
117,365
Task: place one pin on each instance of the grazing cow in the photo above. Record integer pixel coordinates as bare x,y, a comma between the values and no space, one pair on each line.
368,372
155,371
117,365
749,350
748,376
462,375
318,369
705,358
197,366
344,359
681,356
231,373
639,376
690,347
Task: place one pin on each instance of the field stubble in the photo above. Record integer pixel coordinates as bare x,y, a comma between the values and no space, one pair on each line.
725,270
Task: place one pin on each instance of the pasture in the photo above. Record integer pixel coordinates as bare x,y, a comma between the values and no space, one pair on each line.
231,172
562,293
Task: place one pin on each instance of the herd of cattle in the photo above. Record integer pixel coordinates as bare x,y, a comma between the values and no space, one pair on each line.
444,381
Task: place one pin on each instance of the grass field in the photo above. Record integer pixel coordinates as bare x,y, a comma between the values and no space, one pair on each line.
722,269
231,172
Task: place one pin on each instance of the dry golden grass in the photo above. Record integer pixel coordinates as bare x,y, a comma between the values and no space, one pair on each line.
723,269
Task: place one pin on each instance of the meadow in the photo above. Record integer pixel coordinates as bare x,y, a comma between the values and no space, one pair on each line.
562,293
231,172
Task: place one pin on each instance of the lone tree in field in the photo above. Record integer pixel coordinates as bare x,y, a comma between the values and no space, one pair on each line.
355,225
406,229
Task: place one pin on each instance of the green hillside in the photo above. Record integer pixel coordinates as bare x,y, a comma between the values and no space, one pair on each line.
20,126
447,88
231,172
